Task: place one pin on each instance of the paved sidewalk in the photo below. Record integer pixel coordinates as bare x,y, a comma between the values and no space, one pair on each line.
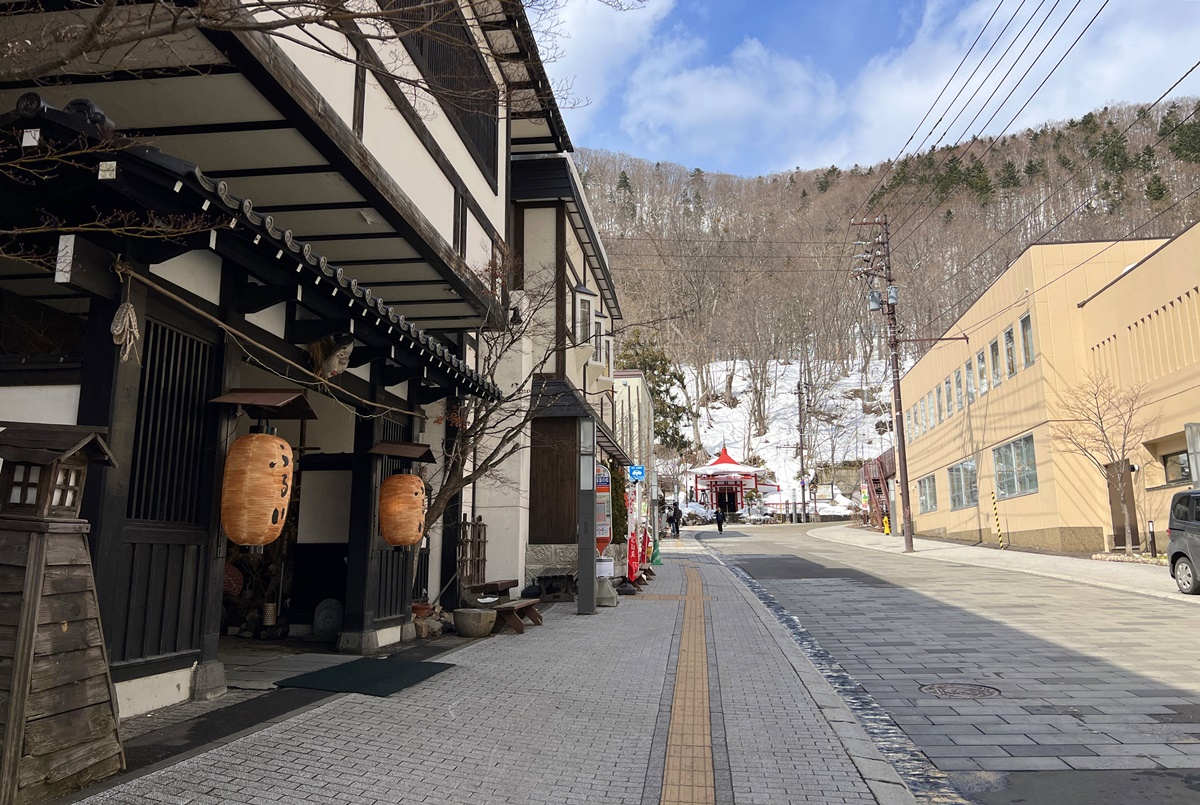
1153,580
689,693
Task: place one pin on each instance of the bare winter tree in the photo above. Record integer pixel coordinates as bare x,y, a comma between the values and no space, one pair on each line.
41,39
487,432
1105,424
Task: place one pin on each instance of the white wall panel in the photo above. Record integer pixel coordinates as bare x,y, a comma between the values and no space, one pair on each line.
52,405
400,152
196,271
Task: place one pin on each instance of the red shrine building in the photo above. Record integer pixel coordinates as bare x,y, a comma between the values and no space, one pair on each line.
725,484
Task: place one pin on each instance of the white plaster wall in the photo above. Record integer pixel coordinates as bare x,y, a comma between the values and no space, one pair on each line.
273,319
52,405
433,434
502,499
324,507
197,271
492,201
538,260
138,696
332,77
479,246
401,154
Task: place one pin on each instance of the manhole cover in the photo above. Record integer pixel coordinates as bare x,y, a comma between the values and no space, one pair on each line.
959,690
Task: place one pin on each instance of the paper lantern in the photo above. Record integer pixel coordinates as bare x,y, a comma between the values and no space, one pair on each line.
256,489
402,510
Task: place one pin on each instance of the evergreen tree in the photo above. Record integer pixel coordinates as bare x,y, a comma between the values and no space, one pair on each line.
1008,178
1156,188
663,377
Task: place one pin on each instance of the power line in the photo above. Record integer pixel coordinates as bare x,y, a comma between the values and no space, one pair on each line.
883,174
990,73
1023,106
1059,189
1124,238
1012,92
719,240
834,257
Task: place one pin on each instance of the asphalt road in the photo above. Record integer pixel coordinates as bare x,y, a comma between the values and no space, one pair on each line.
1020,688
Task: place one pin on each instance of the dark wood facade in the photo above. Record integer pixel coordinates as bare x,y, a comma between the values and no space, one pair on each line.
553,480
159,550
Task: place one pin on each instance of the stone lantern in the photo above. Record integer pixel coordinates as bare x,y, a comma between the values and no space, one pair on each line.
60,718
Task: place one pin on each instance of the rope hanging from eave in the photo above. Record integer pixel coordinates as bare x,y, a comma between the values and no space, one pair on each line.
125,333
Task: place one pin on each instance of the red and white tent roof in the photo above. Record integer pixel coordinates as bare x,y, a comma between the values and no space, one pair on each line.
723,464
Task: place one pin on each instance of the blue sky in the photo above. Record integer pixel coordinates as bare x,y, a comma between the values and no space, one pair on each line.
755,86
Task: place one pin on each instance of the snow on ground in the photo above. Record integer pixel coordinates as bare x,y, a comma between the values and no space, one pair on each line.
839,428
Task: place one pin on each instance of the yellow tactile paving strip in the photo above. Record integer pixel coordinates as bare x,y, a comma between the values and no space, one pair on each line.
688,779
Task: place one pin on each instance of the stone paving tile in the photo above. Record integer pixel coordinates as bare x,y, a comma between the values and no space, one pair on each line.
1099,684
562,715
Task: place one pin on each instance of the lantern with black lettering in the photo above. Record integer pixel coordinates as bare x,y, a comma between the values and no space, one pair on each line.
402,510
257,488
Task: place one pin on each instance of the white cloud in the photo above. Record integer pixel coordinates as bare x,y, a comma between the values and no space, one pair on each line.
597,47
659,93
1132,53
679,106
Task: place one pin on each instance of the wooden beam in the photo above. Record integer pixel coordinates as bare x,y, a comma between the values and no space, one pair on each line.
257,298
306,331
364,355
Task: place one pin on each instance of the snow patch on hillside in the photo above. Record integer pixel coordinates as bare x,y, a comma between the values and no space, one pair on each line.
842,423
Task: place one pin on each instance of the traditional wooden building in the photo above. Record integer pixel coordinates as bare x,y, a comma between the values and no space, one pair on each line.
263,210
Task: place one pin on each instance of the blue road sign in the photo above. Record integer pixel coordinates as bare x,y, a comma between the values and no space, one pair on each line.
637,473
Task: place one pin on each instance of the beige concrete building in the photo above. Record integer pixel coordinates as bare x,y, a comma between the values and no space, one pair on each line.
980,413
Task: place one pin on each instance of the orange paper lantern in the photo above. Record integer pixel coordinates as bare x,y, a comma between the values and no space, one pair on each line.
256,489
402,510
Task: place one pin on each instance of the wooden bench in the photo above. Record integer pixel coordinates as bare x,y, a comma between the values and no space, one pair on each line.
496,587
512,613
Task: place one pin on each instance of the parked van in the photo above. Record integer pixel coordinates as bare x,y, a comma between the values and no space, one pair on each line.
1183,545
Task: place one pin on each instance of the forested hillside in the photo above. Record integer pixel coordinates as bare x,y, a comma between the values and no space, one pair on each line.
754,273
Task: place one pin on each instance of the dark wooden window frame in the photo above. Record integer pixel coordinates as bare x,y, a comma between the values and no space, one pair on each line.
478,128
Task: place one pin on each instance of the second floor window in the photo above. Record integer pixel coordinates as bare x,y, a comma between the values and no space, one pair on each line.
445,51
1010,352
1027,339
583,325
997,371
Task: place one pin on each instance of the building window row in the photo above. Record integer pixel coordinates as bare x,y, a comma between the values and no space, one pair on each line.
973,380
1016,474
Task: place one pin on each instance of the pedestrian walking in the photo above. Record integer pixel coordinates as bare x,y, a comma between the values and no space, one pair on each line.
676,516
720,520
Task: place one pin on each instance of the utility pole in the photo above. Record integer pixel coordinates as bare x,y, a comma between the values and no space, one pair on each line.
878,259
800,447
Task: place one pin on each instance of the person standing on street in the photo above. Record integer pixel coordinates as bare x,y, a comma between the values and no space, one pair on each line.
676,517
720,520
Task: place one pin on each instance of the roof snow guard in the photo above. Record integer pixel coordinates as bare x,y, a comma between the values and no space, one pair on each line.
362,303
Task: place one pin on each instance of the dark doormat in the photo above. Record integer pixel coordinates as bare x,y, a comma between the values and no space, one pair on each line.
373,676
